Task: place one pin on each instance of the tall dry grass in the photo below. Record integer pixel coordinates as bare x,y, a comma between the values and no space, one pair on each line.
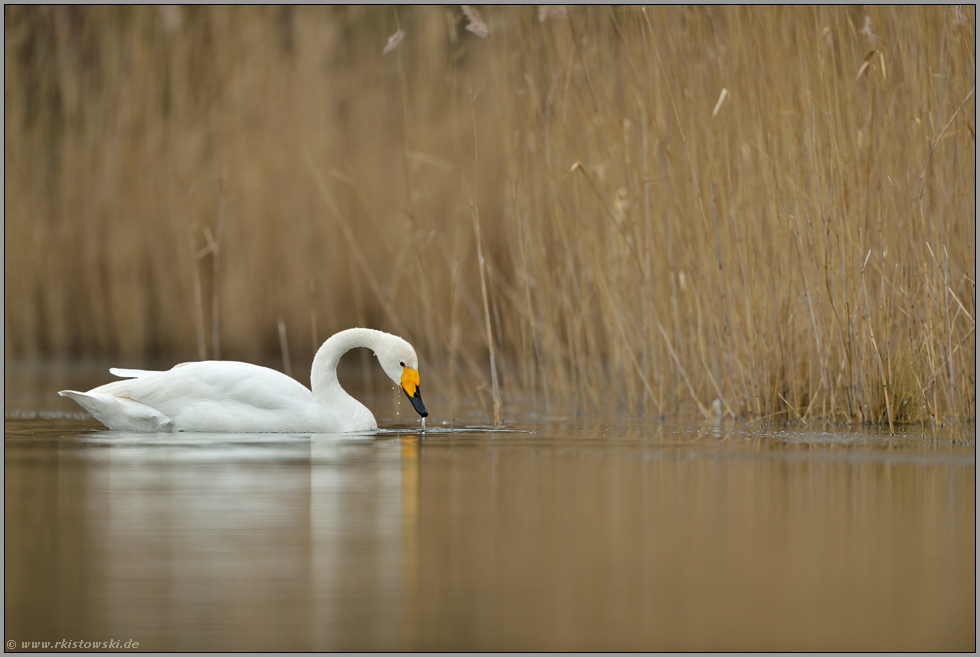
645,209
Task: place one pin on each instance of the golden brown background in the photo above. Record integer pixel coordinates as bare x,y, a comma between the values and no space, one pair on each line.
773,207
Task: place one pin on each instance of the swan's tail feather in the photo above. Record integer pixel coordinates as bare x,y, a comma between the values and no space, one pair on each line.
124,373
120,413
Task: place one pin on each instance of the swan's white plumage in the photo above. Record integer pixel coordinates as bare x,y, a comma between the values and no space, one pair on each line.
233,397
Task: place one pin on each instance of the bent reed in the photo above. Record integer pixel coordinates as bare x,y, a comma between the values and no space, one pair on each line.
767,212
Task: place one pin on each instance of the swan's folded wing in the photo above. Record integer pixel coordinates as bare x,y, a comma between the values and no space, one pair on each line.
230,384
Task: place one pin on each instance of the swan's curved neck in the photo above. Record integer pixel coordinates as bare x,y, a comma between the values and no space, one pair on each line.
323,377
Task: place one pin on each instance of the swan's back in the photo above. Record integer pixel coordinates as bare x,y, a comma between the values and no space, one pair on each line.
208,381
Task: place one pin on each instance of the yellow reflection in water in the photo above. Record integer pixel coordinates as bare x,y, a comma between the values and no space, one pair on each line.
410,535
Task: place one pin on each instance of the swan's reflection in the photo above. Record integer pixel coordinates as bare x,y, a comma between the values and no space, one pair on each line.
250,538
356,524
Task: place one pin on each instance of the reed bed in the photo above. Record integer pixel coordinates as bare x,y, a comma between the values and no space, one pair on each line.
762,213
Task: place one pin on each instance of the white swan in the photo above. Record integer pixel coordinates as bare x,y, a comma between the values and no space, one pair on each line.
230,397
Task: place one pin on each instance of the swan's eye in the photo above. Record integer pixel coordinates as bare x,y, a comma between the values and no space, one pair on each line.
402,363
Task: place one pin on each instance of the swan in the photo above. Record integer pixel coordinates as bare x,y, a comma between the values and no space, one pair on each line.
232,397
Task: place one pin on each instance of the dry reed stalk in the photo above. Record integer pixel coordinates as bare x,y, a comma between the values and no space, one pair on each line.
475,212
287,366
202,352
361,315
406,151
314,338
452,346
215,245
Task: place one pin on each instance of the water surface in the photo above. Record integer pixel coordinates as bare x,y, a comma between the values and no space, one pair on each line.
560,534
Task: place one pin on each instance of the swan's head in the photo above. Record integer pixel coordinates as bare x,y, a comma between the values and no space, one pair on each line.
400,363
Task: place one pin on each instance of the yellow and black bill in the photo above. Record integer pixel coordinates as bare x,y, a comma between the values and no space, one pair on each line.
410,384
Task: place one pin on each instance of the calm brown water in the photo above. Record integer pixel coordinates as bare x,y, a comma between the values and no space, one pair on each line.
566,535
